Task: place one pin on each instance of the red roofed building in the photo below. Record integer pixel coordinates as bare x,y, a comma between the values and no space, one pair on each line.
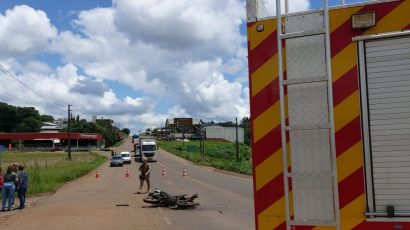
51,141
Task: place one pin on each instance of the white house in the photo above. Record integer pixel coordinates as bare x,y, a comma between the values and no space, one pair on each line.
224,133
49,127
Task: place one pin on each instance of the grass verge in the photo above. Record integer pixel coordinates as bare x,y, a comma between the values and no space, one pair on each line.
48,171
119,143
220,155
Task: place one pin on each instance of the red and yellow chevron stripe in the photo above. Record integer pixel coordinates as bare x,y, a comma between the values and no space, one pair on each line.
265,116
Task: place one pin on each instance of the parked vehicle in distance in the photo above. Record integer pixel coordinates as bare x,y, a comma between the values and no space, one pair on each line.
135,137
116,161
126,157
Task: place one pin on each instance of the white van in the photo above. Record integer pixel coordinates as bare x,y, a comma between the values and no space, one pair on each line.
126,157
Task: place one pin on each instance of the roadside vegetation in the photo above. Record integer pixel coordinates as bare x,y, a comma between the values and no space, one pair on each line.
21,119
220,155
121,140
105,127
14,119
48,171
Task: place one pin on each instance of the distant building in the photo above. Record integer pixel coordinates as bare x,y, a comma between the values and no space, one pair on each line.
60,121
49,127
161,132
183,125
224,133
51,141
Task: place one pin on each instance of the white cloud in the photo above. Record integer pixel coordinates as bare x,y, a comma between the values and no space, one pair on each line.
177,111
75,48
221,97
294,6
184,25
91,21
242,79
89,87
37,67
24,32
54,91
165,50
140,123
173,51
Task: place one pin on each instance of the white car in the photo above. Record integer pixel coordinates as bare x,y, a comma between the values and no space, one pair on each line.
126,157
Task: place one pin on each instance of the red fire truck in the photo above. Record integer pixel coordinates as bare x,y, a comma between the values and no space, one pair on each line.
330,113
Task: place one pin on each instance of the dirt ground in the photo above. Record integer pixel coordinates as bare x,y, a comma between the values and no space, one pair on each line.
108,202
111,201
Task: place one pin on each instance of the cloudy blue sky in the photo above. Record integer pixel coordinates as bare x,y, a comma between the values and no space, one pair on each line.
135,61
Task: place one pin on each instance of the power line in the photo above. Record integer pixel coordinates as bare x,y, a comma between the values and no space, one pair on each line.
12,76
68,131
7,99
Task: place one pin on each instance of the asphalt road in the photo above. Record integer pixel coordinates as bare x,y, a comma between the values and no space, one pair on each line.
111,201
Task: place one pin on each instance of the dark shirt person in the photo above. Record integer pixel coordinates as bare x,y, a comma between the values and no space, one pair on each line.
1,179
22,186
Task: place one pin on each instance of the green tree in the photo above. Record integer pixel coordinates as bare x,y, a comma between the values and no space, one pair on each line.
106,129
30,124
26,112
46,118
126,131
227,124
245,124
21,119
147,132
8,117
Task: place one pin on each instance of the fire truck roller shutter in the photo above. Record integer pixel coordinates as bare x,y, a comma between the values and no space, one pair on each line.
388,93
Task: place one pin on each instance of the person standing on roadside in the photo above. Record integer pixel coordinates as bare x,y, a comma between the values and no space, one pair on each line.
22,186
10,178
145,171
1,179
14,171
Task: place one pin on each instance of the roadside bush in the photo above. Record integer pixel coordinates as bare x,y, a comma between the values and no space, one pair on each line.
219,155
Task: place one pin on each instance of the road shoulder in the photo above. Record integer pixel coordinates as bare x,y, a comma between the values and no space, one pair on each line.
204,167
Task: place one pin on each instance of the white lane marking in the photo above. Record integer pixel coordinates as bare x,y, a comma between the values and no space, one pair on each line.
167,220
169,182
233,195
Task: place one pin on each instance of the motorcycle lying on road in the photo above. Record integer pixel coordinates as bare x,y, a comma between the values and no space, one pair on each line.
163,199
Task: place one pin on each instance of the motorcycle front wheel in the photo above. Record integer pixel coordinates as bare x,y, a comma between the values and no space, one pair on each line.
150,200
187,204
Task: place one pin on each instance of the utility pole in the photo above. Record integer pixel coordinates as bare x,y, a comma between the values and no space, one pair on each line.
237,142
200,146
203,143
69,132
183,137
